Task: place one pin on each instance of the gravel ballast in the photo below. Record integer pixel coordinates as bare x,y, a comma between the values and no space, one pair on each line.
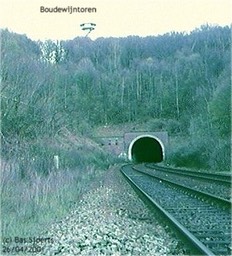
207,221
208,186
109,220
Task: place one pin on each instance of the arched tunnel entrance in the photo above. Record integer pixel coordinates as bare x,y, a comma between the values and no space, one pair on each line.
146,148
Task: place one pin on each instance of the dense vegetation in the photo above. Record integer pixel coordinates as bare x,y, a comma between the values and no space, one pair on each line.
178,82
55,94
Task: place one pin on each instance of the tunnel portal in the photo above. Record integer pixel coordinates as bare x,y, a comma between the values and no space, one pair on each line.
146,149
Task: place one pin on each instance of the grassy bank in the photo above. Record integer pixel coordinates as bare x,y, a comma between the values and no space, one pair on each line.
35,193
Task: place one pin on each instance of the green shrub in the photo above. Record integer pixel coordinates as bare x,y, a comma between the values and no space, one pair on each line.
156,125
220,158
189,155
173,127
204,152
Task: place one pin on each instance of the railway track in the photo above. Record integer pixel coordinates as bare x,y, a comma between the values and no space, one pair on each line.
203,220
216,184
218,177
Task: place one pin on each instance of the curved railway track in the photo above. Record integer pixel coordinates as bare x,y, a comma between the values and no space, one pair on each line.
218,177
202,219
216,184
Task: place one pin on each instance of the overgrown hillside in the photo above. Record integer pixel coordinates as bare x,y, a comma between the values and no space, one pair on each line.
180,82
50,90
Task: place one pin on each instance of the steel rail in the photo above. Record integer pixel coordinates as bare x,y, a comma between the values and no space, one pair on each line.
226,203
193,241
219,177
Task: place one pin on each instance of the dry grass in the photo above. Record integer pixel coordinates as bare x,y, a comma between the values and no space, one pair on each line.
30,204
34,193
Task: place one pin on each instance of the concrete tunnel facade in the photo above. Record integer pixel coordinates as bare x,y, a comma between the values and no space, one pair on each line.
146,148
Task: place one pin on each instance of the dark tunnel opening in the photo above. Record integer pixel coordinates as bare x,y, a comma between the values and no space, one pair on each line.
147,149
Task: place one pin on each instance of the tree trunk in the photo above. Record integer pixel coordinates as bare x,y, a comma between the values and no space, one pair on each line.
177,93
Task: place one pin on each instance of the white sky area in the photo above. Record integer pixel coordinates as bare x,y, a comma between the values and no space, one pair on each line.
116,18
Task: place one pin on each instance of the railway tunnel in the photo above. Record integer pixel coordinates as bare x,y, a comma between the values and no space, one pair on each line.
146,148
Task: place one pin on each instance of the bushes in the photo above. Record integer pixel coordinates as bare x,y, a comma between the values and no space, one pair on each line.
220,157
202,153
189,155
38,156
172,126
34,192
28,205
